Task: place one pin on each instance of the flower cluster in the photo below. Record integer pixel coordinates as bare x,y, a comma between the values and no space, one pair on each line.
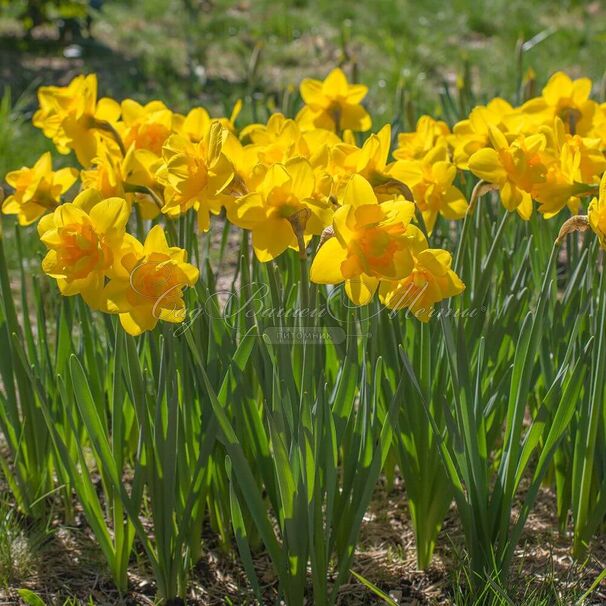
549,150
288,181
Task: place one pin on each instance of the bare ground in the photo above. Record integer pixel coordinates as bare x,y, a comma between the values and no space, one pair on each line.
69,564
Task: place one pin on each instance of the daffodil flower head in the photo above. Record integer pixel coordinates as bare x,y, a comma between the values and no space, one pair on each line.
417,144
516,168
82,238
431,181
576,163
371,159
68,115
277,141
38,189
597,213
146,126
286,191
194,126
472,134
105,174
194,174
431,281
598,125
567,99
149,284
333,104
372,241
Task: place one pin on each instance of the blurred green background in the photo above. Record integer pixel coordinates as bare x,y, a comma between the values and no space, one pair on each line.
212,52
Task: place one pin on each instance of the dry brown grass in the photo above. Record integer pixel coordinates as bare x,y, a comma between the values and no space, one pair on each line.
68,564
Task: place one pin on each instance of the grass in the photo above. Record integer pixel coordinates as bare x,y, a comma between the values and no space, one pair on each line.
188,51
61,567
19,547
20,142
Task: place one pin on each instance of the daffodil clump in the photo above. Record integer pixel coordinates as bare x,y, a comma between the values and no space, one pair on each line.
290,180
343,232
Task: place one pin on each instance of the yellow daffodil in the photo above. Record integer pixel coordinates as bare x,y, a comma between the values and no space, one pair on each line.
576,163
82,238
417,144
370,161
193,174
431,281
38,189
516,168
472,134
284,200
247,171
597,213
333,104
431,181
372,242
68,115
149,282
277,141
567,99
139,168
196,124
128,177
105,174
334,164
146,126
598,126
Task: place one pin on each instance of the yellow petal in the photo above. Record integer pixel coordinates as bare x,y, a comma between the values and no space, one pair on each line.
87,199
361,289
511,196
138,320
498,139
46,223
276,178
409,172
335,84
302,176
525,207
155,242
436,260
44,164
271,238
311,91
343,223
70,214
486,165
559,85
108,110
85,147
131,110
355,117
110,216
191,272
369,214
356,93
115,296
326,266
247,211
65,177
455,204
581,89
359,192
